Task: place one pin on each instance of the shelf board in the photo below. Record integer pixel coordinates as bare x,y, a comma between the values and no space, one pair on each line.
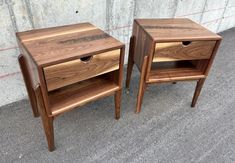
174,71
169,59
78,94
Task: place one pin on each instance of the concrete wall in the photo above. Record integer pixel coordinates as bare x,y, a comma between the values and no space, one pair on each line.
113,16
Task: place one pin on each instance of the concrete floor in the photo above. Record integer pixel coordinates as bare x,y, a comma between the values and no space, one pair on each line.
167,129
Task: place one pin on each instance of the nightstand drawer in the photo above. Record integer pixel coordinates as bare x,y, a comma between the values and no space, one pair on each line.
70,72
185,50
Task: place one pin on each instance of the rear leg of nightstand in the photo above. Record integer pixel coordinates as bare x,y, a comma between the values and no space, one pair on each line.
130,63
28,83
142,85
197,91
117,99
46,120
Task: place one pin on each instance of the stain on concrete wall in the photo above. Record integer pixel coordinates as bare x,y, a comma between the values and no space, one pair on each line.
113,16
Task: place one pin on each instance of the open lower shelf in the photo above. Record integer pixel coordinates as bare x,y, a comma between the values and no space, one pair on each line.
174,71
78,94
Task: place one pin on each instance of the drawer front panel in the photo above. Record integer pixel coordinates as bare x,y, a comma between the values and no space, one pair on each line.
186,50
67,73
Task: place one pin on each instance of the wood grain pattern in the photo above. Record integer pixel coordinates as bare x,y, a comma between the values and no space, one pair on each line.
67,98
175,51
121,66
197,91
66,57
36,78
130,62
142,85
37,34
46,120
31,66
29,85
210,62
174,71
160,41
77,70
170,30
49,46
170,75
117,100
142,45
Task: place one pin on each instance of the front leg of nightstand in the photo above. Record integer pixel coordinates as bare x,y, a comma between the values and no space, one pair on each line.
117,99
142,85
46,120
197,91
130,62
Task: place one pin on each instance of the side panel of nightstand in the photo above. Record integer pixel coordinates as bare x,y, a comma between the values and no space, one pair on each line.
143,45
36,77
32,68
28,84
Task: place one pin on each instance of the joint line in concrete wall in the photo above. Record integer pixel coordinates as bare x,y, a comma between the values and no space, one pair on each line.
29,11
175,9
9,74
108,30
222,15
108,13
203,10
14,47
135,9
12,14
215,20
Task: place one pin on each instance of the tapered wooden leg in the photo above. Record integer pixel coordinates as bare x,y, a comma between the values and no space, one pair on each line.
28,83
130,62
117,99
46,120
140,96
142,85
197,91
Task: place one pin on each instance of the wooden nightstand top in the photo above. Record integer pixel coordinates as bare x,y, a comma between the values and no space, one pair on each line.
59,44
175,29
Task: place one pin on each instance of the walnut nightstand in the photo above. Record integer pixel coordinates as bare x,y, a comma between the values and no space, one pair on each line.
69,66
170,50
